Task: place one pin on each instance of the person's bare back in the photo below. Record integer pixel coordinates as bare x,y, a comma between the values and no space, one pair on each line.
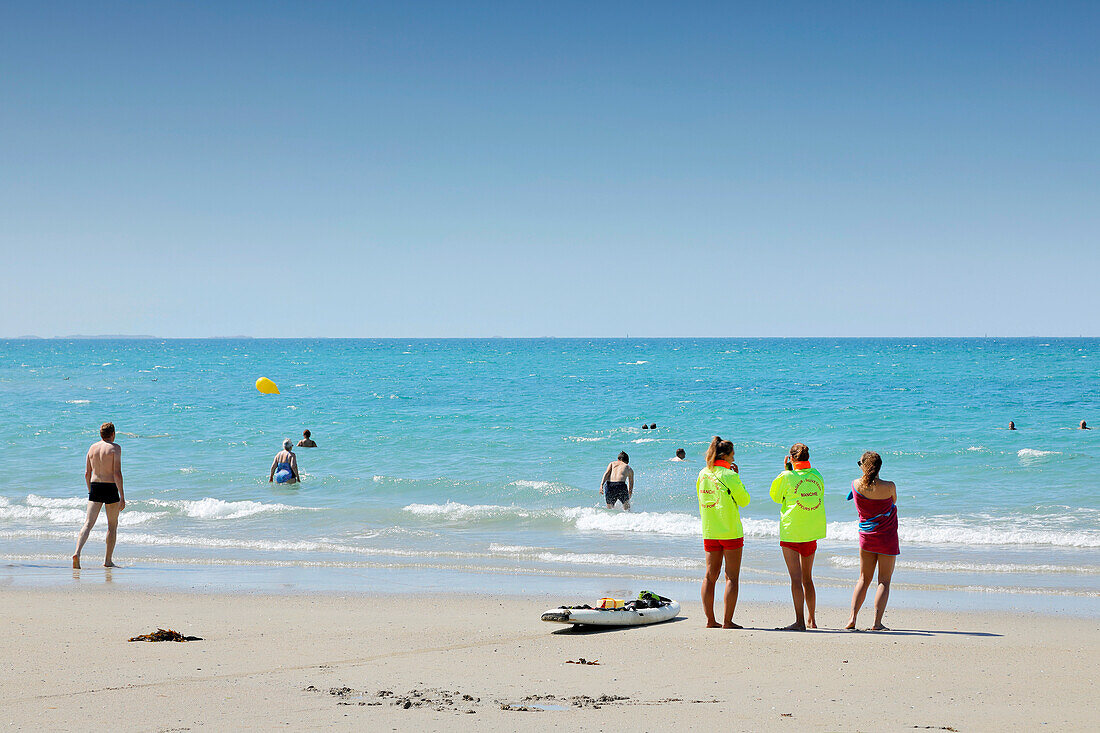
618,472
104,459
617,482
880,489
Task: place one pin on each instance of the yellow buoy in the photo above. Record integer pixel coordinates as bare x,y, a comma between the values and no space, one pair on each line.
266,386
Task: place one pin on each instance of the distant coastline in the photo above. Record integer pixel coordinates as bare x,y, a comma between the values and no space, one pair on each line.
121,337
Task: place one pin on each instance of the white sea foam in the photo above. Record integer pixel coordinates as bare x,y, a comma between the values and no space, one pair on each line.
976,448
580,439
609,559
455,510
494,547
601,520
282,546
70,511
78,402
632,363
921,530
210,508
1033,453
70,502
524,483
976,567
546,488
644,440
540,554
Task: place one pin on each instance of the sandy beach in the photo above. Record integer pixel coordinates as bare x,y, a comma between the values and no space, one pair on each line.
363,662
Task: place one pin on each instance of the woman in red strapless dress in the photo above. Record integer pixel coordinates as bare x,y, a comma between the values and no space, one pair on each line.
876,504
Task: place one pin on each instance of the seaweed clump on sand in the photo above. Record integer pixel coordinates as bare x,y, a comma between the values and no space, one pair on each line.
165,635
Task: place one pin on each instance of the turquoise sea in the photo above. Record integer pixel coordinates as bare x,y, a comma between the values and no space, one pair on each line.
475,464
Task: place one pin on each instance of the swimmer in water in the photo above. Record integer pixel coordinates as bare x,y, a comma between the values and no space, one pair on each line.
681,454
1011,425
103,476
285,465
306,441
1084,426
617,483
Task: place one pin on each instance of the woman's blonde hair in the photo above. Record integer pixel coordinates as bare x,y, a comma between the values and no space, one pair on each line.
871,463
718,449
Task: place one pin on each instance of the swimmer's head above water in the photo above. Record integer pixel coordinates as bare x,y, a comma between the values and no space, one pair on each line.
287,444
107,431
681,453
1011,425
1084,426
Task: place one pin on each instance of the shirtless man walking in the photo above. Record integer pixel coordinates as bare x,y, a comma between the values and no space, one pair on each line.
103,475
617,483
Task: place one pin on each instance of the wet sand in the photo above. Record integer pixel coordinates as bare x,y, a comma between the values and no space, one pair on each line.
363,662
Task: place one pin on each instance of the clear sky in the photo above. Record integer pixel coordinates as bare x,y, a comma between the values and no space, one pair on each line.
550,169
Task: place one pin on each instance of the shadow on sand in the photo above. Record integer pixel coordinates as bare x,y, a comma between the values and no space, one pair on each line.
587,630
584,630
887,632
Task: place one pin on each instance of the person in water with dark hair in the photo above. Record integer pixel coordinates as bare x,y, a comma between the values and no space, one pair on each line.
1084,426
1011,425
721,494
681,455
617,483
876,504
800,492
306,441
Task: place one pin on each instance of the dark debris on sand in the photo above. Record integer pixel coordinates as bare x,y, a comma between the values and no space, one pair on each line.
165,635
459,702
439,700
536,703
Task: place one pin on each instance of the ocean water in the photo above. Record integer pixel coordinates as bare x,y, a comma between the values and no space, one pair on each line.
476,463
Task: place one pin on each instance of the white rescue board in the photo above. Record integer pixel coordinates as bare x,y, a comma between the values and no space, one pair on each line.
609,617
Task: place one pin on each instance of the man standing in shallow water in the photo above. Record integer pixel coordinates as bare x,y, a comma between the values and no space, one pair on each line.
617,483
103,476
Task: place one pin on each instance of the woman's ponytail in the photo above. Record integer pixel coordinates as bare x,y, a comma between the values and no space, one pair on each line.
718,448
871,463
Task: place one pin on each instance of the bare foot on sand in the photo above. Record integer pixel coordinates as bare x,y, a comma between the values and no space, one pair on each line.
851,626
732,625
793,627
713,625
76,562
109,564
811,623
879,627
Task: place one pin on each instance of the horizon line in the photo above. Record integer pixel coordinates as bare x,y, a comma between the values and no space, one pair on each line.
142,337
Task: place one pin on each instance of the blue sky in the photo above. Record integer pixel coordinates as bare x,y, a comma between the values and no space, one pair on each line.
521,169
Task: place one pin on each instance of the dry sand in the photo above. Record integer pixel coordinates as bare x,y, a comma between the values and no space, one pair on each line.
310,662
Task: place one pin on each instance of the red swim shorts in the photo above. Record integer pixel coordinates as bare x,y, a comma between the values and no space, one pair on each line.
716,545
805,549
